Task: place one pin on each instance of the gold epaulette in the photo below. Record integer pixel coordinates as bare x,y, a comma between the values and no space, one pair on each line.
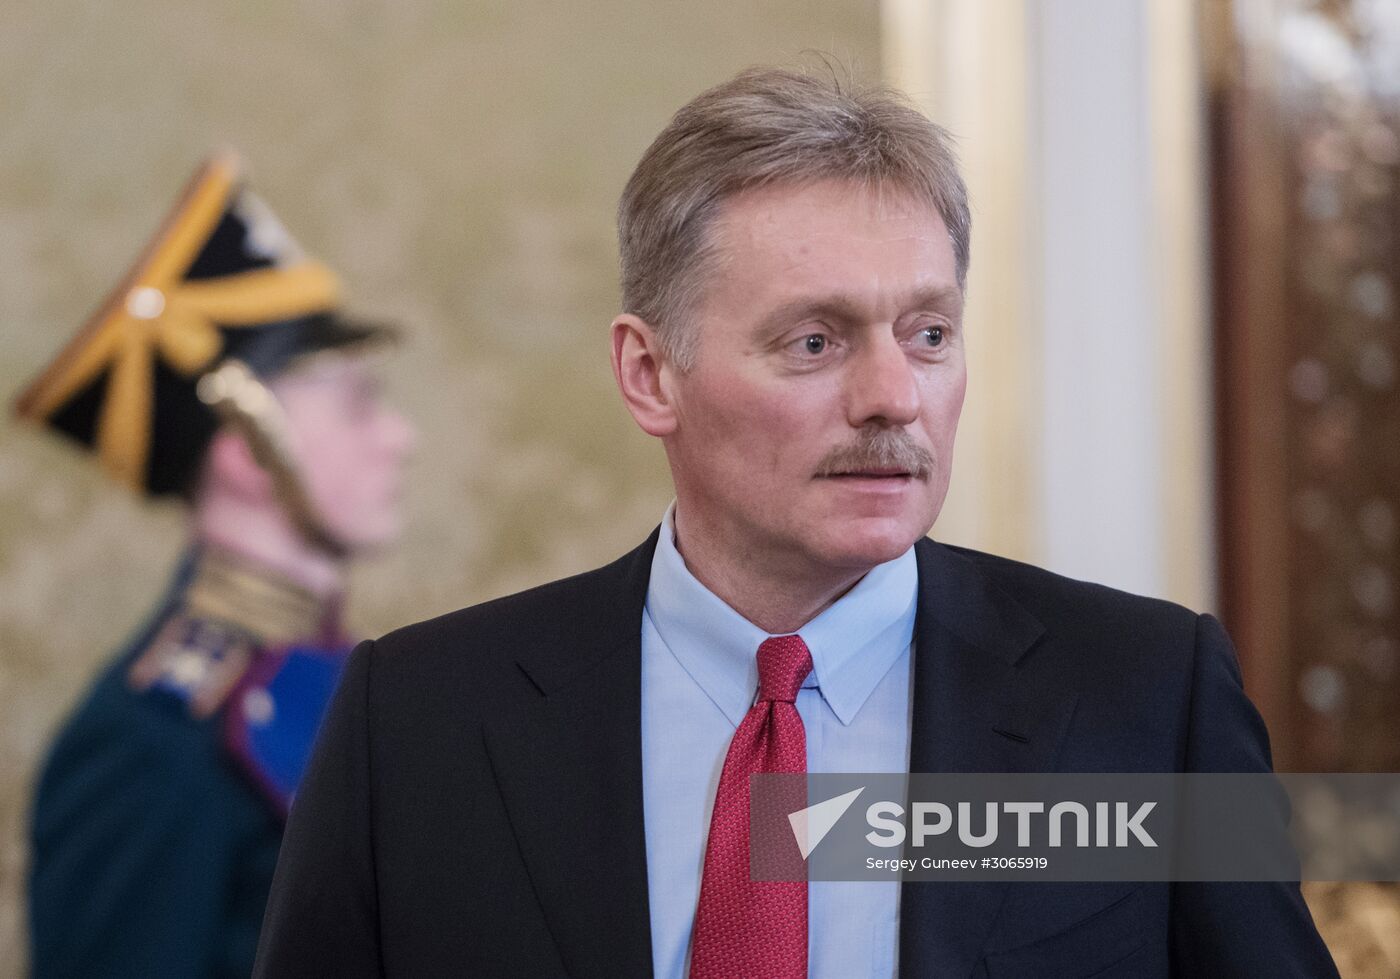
231,610
198,660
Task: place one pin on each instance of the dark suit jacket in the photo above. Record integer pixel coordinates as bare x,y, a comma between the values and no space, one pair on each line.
475,804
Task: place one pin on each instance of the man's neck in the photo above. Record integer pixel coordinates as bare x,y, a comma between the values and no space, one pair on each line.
268,538
776,596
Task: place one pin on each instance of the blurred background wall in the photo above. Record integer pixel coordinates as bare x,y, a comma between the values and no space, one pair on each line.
459,164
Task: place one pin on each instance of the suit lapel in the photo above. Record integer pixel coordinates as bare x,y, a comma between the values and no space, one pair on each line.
569,769
977,708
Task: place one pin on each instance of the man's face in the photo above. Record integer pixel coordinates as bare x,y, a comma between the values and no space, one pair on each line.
815,428
350,447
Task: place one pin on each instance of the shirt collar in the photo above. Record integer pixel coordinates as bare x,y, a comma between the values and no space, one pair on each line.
854,642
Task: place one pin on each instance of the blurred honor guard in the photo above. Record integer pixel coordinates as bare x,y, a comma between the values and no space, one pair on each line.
220,371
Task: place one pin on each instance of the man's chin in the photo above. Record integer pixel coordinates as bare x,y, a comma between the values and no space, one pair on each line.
867,543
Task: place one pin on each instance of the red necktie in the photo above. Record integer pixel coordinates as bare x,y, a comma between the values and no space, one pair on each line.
743,927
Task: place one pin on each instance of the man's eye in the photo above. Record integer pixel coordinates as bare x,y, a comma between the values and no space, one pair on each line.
814,344
933,335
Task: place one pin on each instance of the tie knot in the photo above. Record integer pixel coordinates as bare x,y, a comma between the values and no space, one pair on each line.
783,663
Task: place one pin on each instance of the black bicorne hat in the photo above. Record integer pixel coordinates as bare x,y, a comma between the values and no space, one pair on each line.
221,279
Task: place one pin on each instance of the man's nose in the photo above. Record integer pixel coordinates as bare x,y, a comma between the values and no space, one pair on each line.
882,388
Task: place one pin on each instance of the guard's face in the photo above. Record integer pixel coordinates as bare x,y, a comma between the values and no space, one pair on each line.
816,427
351,447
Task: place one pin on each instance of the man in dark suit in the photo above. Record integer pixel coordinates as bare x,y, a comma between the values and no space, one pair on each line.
556,783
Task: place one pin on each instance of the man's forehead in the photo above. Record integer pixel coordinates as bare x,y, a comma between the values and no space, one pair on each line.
824,228
836,245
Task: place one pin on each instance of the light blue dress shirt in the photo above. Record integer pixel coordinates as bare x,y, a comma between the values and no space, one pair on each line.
699,679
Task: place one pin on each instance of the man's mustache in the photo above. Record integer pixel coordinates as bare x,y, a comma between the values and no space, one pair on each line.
879,448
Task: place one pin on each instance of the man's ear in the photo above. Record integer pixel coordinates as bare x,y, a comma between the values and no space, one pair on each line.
230,463
644,375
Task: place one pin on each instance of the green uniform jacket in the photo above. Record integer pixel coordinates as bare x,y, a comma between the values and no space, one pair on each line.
152,852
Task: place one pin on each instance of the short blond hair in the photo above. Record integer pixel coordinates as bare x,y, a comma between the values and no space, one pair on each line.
765,126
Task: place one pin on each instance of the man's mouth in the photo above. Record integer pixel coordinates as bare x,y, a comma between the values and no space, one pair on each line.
872,474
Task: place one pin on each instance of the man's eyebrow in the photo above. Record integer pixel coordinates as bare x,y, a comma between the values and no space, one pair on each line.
843,308
946,299
838,307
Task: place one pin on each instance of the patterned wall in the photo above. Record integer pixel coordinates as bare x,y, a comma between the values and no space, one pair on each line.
1343,122
1308,188
459,164
1307,197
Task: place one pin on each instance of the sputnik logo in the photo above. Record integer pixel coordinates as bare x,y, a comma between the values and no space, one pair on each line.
810,825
